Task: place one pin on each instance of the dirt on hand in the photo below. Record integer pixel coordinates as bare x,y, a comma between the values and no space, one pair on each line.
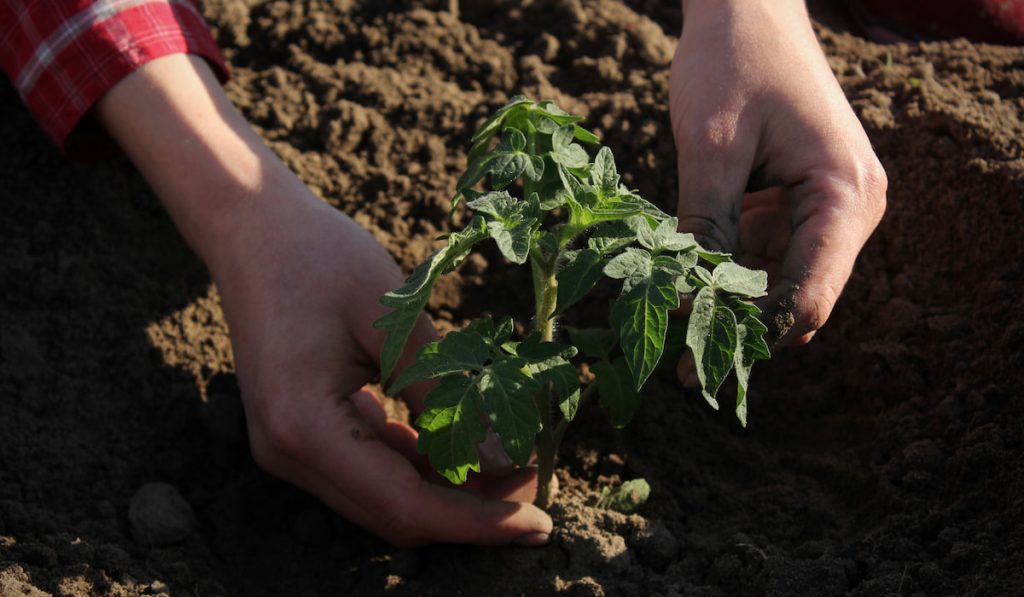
886,458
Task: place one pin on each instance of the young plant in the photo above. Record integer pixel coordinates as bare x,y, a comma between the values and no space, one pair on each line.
575,224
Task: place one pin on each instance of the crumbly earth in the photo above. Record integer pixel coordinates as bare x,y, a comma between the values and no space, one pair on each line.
886,458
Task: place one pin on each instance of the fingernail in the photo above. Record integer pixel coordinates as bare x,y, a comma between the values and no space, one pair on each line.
532,540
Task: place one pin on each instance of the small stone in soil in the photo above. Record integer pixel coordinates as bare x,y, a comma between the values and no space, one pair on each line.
159,515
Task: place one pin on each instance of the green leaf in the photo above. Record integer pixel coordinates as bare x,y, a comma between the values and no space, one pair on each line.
481,139
687,259
641,317
750,347
510,222
508,399
550,110
564,380
604,176
703,275
493,124
451,428
714,257
734,278
585,136
533,349
458,351
581,272
631,266
711,335
408,300
616,390
593,342
625,498
611,237
566,153
665,237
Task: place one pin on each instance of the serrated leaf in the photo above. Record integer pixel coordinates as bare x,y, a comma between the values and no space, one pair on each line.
508,399
669,265
458,351
510,223
408,300
632,266
604,175
513,241
750,347
616,390
593,342
611,237
566,153
711,335
450,428
687,259
641,317
734,278
505,168
564,380
665,237
625,498
579,275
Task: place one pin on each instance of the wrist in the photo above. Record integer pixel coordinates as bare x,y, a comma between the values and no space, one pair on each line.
215,177
702,13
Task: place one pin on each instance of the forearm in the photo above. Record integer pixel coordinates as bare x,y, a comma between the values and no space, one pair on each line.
216,178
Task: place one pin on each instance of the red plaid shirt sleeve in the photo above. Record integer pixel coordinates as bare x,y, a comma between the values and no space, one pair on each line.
63,55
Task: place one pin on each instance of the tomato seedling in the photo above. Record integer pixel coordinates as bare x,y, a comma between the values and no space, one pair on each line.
575,223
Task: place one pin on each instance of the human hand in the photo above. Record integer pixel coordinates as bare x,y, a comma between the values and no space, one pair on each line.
299,284
301,320
774,166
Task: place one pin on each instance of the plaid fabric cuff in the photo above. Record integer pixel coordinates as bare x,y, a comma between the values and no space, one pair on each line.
63,56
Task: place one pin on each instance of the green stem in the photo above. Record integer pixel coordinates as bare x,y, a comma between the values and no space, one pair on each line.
545,286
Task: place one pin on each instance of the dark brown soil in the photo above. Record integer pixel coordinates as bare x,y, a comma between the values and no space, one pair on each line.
887,458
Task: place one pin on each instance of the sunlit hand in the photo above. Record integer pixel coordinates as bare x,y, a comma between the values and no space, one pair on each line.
755,107
300,283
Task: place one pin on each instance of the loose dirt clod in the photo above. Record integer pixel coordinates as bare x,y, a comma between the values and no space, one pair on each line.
159,515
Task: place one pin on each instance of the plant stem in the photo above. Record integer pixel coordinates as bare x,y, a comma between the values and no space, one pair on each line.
545,286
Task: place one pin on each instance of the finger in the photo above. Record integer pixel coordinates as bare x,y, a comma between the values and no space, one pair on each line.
830,225
715,159
519,486
369,407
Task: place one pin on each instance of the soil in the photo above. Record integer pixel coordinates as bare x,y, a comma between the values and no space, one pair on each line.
886,458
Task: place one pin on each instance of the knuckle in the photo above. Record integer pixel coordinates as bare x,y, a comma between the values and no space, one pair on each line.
876,183
704,136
